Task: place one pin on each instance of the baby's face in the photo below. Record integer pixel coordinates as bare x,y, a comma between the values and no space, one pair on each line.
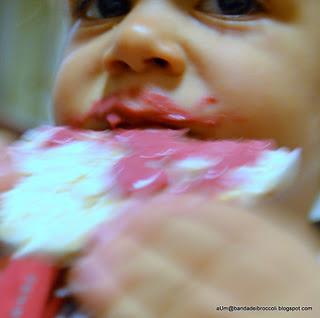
234,68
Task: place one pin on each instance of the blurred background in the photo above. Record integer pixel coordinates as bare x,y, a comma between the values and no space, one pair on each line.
32,35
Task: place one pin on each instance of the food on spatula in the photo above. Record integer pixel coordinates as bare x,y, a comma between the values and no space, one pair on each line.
69,181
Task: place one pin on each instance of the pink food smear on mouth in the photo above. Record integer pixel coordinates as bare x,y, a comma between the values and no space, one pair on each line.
144,107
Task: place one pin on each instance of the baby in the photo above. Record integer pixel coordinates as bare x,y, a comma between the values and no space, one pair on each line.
252,68
238,69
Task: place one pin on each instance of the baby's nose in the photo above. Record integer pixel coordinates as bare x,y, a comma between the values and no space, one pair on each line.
138,48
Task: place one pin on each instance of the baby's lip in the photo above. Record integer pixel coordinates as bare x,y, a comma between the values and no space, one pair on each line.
145,108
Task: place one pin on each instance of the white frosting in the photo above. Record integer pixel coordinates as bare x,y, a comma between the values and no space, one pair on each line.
54,213
274,170
195,164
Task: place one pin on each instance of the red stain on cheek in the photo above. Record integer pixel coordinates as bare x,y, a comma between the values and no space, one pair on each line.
206,102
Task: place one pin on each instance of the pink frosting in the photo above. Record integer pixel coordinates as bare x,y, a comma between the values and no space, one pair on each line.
149,164
147,168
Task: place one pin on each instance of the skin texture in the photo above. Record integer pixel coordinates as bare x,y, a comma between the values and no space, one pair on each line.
181,257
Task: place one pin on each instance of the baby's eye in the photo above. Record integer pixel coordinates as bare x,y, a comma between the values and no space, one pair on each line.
230,8
104,9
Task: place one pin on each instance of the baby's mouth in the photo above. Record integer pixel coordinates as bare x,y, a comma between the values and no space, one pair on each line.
137,109
146,108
